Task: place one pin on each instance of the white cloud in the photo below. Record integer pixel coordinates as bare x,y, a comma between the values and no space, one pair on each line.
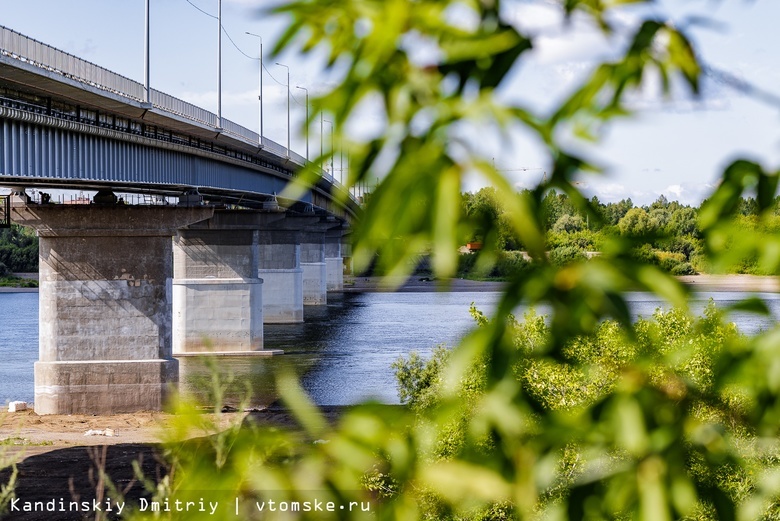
675,190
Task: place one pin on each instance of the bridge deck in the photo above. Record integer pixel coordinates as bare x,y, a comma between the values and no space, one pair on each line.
102,98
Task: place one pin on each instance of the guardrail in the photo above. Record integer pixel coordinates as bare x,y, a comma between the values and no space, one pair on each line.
39,54
45,56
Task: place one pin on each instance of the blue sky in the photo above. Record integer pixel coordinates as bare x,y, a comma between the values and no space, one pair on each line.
673,147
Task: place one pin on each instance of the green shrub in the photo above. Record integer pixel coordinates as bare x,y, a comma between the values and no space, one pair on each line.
563,255
510,263
673,346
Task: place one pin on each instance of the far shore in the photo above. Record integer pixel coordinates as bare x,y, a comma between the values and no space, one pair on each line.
725,283
418,284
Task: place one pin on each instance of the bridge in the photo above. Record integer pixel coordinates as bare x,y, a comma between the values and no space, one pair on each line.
125,289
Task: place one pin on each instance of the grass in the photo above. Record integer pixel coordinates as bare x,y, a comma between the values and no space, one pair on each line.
17,441
17,282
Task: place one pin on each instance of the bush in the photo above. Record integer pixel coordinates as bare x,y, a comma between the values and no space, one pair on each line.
510,263
504,265
563,255
674,263
673,343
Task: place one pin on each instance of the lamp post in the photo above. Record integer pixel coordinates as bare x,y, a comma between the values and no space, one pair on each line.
219,66
288,106
307,119
260,95
146,52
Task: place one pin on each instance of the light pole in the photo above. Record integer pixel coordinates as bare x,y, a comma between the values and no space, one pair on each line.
219,66
331,146
307,119
288,106
260,96
146,53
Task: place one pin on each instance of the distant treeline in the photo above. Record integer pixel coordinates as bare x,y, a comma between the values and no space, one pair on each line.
18,250
666,232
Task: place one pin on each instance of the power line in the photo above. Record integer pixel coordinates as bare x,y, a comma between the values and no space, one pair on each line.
272,76
234,43
201,10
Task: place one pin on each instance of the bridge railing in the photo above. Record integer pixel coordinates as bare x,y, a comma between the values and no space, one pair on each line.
179,107
47,57
238,131
39,54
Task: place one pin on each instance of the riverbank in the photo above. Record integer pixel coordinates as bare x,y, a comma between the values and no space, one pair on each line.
704,282
19,283
418,285
56,460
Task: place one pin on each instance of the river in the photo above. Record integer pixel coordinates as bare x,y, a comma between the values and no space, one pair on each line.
343,351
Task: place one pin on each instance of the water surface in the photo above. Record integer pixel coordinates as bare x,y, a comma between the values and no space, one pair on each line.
343,351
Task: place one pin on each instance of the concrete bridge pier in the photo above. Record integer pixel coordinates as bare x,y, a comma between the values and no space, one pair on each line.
105,314
217,295
315,273
281,270
282,274
334,263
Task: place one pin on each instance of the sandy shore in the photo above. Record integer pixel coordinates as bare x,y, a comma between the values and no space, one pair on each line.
56,460
746,283
739,283
4,289
417,284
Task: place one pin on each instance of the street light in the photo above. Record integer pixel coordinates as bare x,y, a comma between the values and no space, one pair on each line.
219,67
307,119
288,106
146,52
260,96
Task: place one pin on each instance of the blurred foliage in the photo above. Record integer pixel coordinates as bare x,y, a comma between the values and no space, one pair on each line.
582,415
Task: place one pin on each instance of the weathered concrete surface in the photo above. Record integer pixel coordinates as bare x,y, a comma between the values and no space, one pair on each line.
105,313
334,264
315,291
281,270
217,253
217,297
104,387
217,315
315,273
250,245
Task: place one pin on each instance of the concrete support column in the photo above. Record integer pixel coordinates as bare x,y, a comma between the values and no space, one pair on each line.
105,307
334,264
346,250
315,291
217,296
282,274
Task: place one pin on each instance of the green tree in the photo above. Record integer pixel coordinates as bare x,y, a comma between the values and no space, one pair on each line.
19,249
637,222
683,222
569,223
613,212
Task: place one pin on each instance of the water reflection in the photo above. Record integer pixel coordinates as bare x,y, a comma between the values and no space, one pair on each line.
342,352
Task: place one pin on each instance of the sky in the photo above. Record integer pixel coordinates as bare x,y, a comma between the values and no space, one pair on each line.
675,147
